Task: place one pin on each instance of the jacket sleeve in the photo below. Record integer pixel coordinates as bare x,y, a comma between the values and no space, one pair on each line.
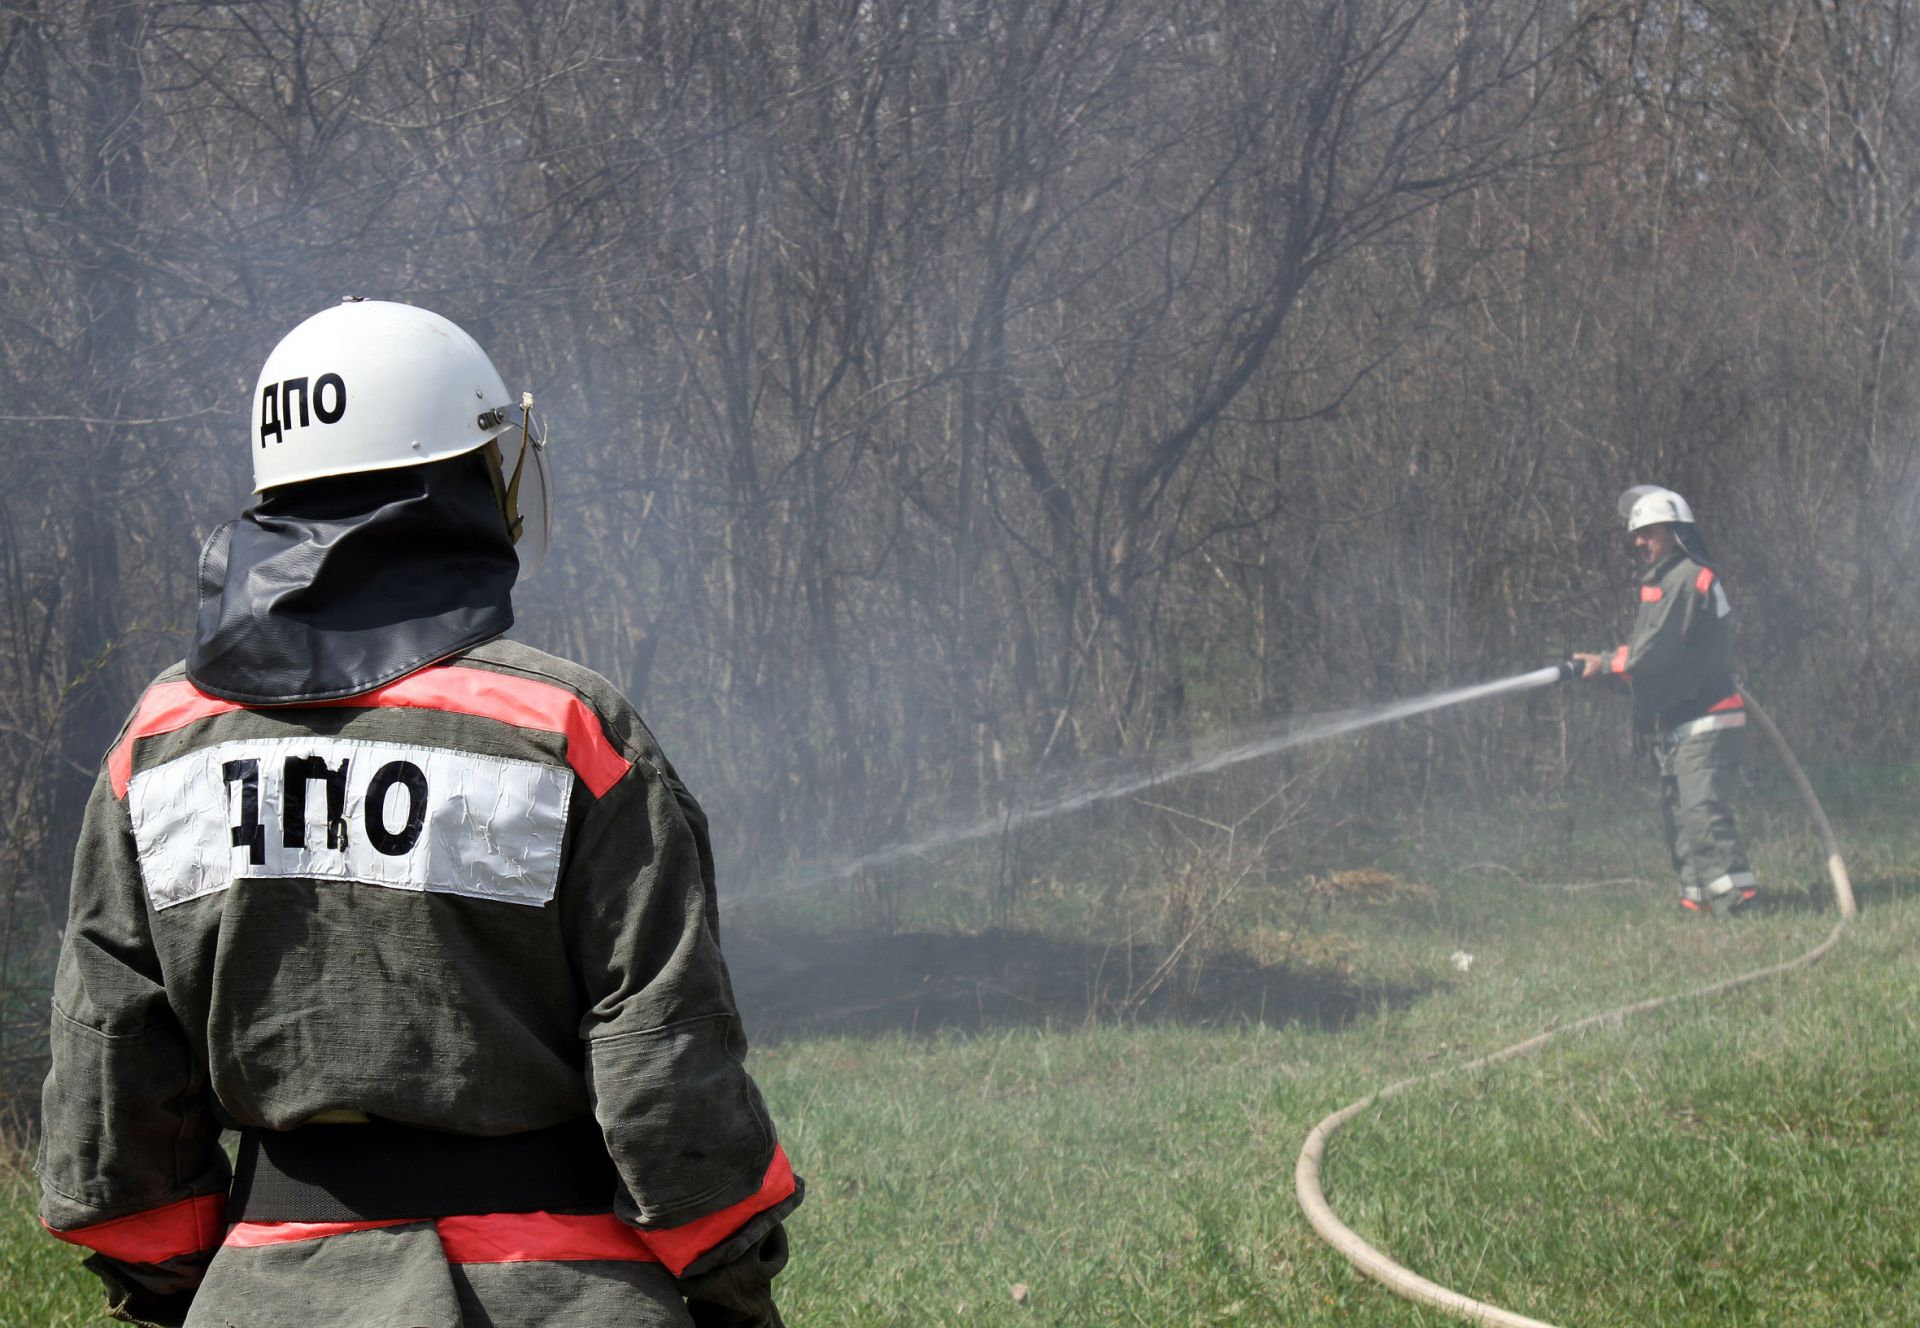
130,1162
704,1175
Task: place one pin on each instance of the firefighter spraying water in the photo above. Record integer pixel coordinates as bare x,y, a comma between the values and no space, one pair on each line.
1678,666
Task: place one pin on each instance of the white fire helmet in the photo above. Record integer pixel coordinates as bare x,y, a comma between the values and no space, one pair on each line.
1651,505
374,385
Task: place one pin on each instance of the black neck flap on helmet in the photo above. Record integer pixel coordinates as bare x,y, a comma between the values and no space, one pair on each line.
1692,542
332,587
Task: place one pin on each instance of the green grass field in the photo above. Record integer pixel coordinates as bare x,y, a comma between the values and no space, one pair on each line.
1743,1161
1749,1159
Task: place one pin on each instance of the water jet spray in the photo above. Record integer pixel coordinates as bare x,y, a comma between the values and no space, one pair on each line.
1269,741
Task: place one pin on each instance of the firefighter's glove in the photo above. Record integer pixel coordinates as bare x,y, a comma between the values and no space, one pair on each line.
739,1293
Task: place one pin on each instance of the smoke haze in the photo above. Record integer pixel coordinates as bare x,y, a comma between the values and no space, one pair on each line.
950,396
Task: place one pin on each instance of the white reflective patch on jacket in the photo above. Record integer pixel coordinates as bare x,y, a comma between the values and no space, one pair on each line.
1720,606
339,809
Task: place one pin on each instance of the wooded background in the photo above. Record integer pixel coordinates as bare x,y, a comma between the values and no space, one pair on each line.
950,392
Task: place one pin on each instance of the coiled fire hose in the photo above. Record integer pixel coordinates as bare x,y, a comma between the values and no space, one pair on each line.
1403,1281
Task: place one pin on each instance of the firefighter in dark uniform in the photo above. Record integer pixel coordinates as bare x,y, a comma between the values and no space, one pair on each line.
1678,665
424,915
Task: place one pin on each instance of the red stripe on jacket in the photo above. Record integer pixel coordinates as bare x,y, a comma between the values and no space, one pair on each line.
1650,594
190,1226
254,1235
537,1237
525,702
552,1237
1704,582
677,1247
480,1238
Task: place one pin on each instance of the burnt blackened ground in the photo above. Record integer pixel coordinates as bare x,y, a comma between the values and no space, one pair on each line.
802,985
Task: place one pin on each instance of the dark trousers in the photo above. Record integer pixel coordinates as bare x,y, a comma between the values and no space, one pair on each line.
1698,775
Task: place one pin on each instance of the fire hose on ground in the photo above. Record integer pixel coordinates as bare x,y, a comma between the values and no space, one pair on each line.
1403,1281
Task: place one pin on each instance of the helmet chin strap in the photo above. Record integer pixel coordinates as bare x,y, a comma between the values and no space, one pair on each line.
506,492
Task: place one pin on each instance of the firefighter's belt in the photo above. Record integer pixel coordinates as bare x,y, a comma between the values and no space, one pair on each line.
380,1170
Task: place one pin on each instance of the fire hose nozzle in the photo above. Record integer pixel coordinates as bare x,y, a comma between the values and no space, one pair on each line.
1568,669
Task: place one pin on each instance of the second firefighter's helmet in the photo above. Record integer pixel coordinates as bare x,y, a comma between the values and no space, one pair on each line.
1651,505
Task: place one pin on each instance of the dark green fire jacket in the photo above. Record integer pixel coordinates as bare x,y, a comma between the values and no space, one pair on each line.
1678,661
475,900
